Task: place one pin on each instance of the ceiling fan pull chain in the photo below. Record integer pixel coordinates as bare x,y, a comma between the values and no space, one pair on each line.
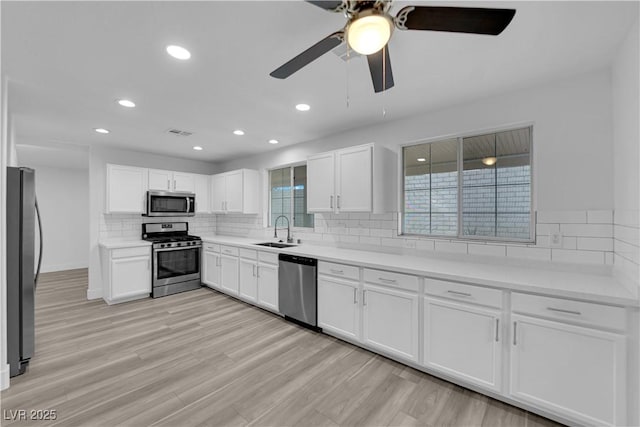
384,79
347,68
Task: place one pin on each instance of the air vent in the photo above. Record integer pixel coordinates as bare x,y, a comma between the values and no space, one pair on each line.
179,132
341,52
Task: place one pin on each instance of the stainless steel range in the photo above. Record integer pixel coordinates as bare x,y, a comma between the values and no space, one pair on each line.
176,257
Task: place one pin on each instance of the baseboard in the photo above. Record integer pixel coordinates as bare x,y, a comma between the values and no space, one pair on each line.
94,293
63,267
4,377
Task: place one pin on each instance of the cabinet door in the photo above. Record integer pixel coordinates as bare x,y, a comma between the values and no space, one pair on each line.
202,191
268,286
184,182
568,369
229,274
160,180
338,308
126,189
464,341
248,280
211,269
218,193
390,321
130,276
234,191
320,183
354,180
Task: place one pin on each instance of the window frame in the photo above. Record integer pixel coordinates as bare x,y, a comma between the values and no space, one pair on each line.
291,167
460,165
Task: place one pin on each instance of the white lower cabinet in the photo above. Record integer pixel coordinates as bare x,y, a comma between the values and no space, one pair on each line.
126,273
575,371
464,341
229,269
390,320
338,306
248,280
211,267
268,285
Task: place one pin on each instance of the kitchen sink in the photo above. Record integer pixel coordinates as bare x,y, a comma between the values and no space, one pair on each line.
274,245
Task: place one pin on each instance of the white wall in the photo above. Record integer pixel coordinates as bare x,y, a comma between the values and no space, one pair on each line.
626,141
572,131
98,159
63,199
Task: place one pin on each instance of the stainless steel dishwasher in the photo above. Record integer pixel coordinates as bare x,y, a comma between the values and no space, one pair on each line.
297,296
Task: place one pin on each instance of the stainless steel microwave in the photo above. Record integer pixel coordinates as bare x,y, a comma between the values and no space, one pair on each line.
170,203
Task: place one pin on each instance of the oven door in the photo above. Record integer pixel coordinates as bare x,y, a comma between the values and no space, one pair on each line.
174,265
167,203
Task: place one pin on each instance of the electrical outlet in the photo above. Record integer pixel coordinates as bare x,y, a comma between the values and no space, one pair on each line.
555,239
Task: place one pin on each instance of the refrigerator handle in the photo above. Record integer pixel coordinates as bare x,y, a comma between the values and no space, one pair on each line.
35,282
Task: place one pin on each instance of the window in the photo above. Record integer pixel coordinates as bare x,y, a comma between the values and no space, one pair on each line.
488,176
284,201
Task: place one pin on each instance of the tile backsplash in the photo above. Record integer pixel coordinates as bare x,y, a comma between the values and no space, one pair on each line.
114,226
626,246
587,236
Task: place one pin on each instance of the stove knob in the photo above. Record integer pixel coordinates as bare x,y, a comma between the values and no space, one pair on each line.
162,246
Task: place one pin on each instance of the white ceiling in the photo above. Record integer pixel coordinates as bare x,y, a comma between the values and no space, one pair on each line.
69,61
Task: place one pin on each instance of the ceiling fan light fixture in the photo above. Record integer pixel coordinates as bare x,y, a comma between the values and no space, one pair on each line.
369,32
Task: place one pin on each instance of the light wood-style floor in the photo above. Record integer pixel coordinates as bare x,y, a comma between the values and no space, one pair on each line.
203,358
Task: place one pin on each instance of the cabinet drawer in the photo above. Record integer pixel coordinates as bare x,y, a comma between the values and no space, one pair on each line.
339,270
229,250
211,247
248,253
130,252
461,292
268,257
605,316
388,278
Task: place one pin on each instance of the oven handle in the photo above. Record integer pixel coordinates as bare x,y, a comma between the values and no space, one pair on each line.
178,248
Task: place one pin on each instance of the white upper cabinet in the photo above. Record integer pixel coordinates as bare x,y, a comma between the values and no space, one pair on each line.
171,181
126,189
321,183
235,191
354,179
203,191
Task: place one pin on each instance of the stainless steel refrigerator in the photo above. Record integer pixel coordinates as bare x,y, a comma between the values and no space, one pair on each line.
22,213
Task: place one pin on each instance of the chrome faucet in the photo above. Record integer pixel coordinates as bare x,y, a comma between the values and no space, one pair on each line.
275,229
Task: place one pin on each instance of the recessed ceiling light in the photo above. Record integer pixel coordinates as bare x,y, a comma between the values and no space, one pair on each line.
178,52
303,107
238,132
421,159
489,161
197,148
101,130
273,141
126,103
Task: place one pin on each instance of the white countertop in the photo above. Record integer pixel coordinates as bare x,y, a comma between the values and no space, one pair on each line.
548,278
122,243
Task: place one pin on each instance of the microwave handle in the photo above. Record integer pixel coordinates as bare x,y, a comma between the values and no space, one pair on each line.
188,205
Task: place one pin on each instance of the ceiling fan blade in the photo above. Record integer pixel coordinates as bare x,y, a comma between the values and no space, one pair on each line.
454,19
330,5
309,55
380,68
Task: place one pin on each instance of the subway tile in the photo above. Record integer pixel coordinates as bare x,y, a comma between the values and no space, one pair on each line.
492,250
366,240
542,241
608,258
562,217
577,257
529,253
627,251
345,238
627,217
409,243
359,216
569,242
359,231
587,230
456,247
375,232
425,245
547,229
595,243
395,243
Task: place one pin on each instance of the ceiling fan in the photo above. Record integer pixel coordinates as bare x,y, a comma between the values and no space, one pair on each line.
369,28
